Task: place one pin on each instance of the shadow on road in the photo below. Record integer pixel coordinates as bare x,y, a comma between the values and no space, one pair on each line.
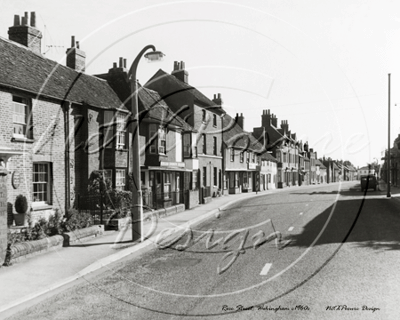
353,191
372,223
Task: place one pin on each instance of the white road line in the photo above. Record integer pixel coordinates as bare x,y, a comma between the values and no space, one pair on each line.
290,229
266,268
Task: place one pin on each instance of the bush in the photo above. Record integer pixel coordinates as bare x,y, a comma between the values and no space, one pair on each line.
15,237
39,231
21,204
76,220
55,224
119,201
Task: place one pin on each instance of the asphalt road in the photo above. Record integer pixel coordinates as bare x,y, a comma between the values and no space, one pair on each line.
327,252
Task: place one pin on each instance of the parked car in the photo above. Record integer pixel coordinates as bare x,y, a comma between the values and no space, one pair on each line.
368,182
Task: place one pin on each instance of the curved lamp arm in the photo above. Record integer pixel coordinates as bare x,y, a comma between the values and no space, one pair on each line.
133,68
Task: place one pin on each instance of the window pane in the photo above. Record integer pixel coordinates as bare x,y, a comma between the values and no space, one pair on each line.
41,182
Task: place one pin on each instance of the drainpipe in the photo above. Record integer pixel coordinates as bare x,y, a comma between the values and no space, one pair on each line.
66,108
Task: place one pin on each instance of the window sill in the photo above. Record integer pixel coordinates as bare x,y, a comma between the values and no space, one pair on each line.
21,139
39,207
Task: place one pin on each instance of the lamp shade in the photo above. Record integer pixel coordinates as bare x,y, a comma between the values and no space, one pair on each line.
154,55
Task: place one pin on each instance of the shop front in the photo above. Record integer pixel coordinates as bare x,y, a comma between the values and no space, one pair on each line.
164,186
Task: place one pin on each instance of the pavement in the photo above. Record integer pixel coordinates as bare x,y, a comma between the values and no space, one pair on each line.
29,279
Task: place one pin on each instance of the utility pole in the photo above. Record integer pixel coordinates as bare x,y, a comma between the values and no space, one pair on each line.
388,153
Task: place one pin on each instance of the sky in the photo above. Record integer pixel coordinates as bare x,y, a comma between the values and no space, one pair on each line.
322,66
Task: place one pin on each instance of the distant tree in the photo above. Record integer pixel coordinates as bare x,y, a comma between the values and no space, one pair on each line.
347,163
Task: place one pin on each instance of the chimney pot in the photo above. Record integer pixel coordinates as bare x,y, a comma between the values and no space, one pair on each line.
72,41
16,20
219,96
26,18
33,19
182,67
124,63
114,65
121,61
77,44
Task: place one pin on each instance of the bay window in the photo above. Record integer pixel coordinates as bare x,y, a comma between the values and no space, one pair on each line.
157,139
187,145
162,145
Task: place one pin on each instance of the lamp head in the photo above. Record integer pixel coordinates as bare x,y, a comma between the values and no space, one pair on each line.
154,56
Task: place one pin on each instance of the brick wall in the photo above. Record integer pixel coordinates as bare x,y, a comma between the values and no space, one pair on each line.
47,146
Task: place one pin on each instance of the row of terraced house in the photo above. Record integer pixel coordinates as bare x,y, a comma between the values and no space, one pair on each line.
59,125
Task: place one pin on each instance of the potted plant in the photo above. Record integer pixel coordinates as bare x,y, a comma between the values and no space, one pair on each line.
21,207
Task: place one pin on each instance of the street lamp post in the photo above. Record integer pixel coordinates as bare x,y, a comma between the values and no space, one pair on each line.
136,205
388,154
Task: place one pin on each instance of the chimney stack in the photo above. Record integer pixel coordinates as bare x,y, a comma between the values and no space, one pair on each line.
76,58
119,66
179,72
266,119
285,126
218,100
274,121
240,120
24,34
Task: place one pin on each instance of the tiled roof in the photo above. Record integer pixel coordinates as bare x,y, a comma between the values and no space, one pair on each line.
351,168
25,70
235,136
153,107
268,157
334,165
178,86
